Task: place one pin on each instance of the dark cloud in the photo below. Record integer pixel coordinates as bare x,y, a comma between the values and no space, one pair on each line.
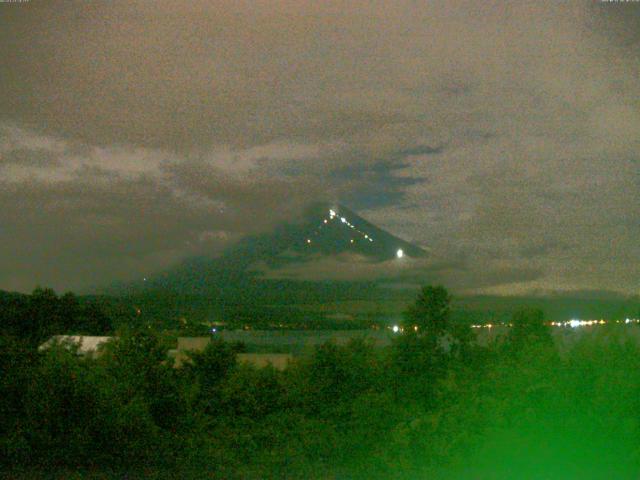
587,294
259,201
375,183
421,150
539,248
30,158
456,274
74,235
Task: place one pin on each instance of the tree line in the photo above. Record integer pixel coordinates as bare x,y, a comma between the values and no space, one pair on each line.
36,317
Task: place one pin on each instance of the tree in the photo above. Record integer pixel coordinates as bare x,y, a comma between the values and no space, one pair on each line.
37,316
136,359
528,327
209,368
431,311
42,316
340,373
92,320
417,355
251,392
18,361
419,350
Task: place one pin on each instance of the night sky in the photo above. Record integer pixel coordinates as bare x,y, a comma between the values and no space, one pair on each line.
503,137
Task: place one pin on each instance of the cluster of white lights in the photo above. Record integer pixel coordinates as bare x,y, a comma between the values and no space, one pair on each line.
399,329
333,215
569,323
491,325
573,323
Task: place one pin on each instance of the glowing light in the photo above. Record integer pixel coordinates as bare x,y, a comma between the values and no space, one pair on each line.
332,213
308,240
574,323
352,240
399,253
343,220
395,329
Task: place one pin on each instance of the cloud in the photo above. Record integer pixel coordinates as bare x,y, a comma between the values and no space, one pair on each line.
507,135
406,272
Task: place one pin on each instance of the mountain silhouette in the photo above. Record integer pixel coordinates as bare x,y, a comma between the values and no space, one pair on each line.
323,230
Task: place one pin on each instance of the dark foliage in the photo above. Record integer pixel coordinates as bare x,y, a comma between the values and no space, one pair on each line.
417,409
36,317
431,311
528,327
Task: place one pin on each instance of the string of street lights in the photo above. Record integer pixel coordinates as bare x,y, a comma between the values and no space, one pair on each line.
573,323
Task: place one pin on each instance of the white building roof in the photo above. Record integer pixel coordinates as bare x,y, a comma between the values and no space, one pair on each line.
86,344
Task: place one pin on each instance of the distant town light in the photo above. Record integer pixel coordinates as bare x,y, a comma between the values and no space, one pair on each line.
399,253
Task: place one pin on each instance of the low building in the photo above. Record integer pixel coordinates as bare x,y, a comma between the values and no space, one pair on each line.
196,344
86,345
279,361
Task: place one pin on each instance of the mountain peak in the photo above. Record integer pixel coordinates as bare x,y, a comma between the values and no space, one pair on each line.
333,228
324,230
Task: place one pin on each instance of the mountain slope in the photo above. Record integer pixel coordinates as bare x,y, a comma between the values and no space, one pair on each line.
324,230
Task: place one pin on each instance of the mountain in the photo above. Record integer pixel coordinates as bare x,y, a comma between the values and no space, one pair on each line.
234,286
324,230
